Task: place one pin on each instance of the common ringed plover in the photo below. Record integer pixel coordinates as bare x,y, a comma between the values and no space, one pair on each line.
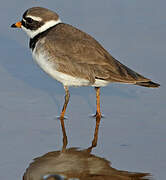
72,56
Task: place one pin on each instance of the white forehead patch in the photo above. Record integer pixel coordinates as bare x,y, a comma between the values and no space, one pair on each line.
44,27
35,18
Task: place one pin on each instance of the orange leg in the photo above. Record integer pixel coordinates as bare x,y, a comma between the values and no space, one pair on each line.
64,135
98,112
67,96
94,142
95,138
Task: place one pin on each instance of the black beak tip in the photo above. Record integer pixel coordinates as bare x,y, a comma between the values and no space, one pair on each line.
13,26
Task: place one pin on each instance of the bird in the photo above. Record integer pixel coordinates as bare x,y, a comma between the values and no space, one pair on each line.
72,56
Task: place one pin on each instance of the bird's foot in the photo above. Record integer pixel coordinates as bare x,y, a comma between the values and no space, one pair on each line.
99,115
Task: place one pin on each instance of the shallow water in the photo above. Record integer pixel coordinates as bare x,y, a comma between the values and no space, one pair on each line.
77,164
133,130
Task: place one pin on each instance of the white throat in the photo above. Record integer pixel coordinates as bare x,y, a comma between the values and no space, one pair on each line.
47,25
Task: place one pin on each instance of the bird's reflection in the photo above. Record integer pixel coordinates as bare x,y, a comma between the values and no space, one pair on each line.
75,164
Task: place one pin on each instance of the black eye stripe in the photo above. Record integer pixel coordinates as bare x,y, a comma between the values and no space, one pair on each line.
29,20
31,25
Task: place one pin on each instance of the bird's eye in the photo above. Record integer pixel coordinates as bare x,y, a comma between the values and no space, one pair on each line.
29,20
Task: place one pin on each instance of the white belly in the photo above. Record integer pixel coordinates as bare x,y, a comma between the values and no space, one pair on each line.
67,80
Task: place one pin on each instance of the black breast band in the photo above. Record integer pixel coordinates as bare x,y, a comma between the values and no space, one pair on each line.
33,41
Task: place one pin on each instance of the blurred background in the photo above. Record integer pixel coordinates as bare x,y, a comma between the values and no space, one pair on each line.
132,133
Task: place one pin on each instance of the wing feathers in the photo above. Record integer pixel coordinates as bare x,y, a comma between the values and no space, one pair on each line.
78,54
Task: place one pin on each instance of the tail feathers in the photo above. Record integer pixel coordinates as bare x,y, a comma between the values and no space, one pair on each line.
149,84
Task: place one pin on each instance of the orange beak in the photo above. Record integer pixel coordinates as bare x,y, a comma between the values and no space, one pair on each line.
16,25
